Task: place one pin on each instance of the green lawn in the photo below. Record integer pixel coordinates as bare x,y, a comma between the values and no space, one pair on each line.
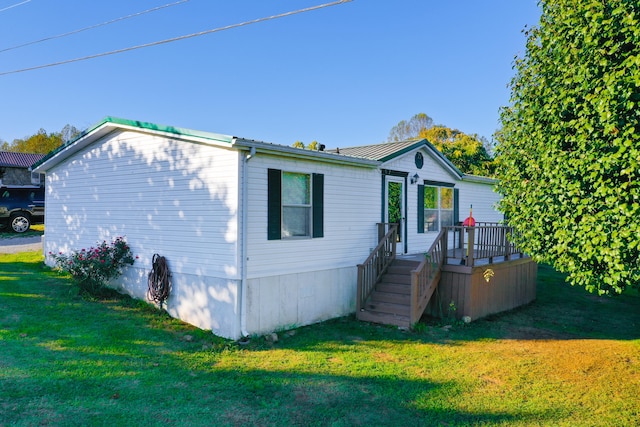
568,359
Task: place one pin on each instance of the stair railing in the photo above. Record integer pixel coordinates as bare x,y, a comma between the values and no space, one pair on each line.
425,278
370,271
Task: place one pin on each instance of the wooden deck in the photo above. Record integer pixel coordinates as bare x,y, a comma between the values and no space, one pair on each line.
468,272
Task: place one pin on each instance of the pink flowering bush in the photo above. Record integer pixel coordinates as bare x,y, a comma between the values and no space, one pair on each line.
94,267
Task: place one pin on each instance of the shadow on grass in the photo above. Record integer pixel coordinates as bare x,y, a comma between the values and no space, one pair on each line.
70,361
560,312
147,381
563,312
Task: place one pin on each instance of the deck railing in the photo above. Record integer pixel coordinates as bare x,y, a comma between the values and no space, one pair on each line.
376,264
485,241
425,278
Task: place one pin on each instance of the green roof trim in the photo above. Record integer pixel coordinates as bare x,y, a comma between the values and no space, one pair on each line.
167,129
184,132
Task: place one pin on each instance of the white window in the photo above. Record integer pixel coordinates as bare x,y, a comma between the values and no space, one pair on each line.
296,204
438,207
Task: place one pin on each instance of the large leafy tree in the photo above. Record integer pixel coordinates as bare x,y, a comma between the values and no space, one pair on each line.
467,152
569,148
41,142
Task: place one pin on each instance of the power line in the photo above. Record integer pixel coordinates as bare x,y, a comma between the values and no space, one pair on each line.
188,36
15,5
92,26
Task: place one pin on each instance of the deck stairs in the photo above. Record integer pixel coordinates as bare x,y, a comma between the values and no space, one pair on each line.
389,303
396,289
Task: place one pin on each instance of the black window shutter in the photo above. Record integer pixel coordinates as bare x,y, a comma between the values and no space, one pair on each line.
318,205
420,208
456,206
274,204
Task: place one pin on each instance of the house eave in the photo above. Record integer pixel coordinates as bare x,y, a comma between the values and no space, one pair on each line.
111,124
479,179
303,154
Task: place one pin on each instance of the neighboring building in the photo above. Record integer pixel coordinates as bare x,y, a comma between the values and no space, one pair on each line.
258,236
15,168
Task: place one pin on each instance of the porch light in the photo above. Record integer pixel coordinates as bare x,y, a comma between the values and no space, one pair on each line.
415,178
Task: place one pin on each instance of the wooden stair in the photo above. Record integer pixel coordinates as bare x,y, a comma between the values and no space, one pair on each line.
389,303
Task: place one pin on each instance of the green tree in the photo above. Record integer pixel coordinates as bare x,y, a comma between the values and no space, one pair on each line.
313,145
41,142
569,151
467,152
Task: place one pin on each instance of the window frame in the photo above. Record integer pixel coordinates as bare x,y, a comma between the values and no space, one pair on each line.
453,212
308,207
276,205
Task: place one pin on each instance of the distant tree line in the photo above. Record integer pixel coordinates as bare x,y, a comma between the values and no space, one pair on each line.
41,142
469,153
313,145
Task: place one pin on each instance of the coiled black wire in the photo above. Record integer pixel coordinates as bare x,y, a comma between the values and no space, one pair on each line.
159,280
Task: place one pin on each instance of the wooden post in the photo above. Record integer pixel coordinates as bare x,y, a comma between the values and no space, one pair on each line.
414,298
445,245
505,242
360,285
470,244
394,240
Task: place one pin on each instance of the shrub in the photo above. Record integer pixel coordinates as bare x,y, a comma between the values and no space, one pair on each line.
93,268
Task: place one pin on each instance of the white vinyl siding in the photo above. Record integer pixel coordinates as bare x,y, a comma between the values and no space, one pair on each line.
351,211
432,170
484,199
175,198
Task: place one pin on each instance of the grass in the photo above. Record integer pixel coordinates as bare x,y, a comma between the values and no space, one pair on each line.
568,359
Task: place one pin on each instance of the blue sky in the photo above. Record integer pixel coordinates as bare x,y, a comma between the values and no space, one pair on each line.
342,75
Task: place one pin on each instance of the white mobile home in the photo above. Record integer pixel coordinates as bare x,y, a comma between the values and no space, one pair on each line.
257,236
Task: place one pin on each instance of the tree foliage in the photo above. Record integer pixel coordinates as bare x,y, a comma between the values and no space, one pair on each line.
568,151
410,129
467,152
313,145
41,142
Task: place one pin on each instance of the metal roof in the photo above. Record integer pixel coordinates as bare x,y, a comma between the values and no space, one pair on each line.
390,150
109,124
381,152
18,160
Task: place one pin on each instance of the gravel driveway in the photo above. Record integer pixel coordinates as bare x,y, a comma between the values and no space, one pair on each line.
20,244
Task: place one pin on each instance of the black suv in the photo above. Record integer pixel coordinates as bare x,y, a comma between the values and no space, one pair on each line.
21,206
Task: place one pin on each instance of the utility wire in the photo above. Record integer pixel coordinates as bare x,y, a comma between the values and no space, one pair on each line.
92,26
201,33
15,5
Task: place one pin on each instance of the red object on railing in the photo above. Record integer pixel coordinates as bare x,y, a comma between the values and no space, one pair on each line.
469,222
